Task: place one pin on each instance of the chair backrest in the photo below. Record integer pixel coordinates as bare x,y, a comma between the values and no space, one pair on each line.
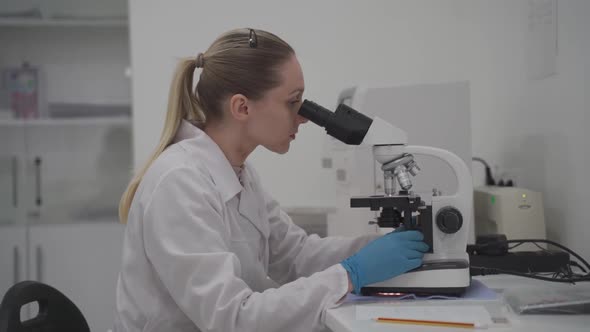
56,311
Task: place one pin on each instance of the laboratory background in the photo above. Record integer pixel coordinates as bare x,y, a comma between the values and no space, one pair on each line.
84,88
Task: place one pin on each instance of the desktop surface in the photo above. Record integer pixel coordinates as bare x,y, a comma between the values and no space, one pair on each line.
343,318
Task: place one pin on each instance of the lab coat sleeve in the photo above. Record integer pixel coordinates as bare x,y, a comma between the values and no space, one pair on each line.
294,254
186,241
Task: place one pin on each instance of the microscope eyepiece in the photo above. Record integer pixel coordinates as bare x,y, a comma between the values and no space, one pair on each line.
346,124
315,113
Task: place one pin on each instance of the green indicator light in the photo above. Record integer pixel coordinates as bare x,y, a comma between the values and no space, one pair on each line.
493,199
523,195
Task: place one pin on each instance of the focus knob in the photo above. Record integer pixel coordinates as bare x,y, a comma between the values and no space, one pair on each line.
449,220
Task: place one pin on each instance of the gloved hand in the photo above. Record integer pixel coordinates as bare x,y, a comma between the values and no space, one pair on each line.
385,257
401,228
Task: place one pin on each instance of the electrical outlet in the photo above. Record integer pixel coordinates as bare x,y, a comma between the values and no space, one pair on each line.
506,174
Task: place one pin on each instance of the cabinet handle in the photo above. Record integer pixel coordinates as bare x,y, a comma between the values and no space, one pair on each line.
39,254
16,265
38,179
14,181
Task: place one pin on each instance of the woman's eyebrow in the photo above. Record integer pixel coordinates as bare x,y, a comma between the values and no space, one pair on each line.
298,90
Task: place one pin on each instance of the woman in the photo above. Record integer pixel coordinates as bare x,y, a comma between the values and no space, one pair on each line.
206,249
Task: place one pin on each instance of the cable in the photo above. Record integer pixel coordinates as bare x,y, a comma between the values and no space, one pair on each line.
489,178
485,163
514,246
538,246
489,270
576,264
521,243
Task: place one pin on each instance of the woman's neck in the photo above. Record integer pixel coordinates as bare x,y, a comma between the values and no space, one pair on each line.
231,141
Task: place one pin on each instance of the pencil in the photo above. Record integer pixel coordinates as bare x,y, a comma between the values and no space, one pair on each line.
425,322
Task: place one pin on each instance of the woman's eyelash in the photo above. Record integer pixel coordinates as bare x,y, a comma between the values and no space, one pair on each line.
295,101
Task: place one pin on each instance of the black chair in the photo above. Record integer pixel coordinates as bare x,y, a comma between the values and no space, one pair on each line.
56,312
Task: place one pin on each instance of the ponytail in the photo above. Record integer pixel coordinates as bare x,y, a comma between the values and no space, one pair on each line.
182,104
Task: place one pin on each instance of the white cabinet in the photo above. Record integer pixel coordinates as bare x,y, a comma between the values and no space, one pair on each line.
13,251
13,248
59,198
61,176
78,170
82,261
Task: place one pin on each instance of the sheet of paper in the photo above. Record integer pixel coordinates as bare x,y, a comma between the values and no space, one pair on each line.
476,291
477,315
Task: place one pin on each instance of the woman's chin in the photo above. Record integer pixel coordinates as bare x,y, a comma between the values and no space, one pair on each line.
280,149
283,150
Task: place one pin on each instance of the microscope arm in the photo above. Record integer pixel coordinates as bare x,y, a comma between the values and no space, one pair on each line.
462,172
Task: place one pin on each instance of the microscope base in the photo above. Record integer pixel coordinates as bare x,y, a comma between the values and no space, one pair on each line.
426,280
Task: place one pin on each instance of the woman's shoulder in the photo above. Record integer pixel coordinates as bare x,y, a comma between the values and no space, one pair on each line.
176,156
175,164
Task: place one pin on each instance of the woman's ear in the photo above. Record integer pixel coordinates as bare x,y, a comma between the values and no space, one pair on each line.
238,106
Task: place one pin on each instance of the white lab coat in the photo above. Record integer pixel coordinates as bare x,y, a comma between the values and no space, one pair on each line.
204,253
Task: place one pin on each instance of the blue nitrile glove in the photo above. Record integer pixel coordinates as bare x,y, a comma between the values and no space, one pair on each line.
385,258
400,228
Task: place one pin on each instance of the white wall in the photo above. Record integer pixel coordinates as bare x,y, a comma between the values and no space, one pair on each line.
534,129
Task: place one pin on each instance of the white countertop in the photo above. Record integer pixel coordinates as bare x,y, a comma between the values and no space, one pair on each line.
343,318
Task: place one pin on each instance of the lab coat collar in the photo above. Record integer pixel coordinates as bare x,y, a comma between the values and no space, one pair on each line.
213,158
249,205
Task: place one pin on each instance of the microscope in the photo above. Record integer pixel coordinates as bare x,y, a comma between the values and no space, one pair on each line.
444,221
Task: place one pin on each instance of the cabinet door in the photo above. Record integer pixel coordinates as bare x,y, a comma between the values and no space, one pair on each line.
9,188
79,171
12,256
12,222
82,261
12,177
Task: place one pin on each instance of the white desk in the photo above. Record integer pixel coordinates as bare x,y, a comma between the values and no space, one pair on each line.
343,318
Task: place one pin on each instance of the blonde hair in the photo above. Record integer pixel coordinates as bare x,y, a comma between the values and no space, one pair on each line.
241,61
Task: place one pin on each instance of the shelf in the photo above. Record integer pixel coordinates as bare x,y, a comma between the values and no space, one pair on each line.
115,120
42,22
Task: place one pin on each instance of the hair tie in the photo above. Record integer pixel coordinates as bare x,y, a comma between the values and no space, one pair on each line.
200,60
253,39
